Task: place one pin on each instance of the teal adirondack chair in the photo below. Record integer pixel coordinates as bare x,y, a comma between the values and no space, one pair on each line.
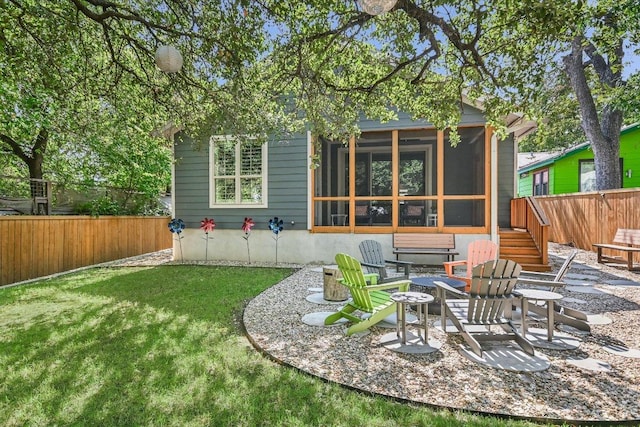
366,298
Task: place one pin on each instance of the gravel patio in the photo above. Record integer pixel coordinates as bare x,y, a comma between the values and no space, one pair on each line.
599,382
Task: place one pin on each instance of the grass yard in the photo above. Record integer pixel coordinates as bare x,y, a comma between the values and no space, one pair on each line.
164,346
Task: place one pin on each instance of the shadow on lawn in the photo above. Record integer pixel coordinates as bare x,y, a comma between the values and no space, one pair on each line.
147,354
201,292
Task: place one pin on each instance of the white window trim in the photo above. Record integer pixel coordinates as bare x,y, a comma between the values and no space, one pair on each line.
541,173
212,187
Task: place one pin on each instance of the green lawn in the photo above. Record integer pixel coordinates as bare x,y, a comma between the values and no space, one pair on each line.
164,346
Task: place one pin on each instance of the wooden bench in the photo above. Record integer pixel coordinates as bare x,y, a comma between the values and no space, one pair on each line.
624,241
425,244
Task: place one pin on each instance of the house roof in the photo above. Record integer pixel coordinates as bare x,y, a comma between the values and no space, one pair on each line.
535,160
519,125
532,158
516,123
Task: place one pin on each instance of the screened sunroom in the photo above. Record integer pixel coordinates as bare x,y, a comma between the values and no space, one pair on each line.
407,179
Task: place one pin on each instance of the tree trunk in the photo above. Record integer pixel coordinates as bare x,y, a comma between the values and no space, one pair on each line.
34,159
606,150
37,154
602,132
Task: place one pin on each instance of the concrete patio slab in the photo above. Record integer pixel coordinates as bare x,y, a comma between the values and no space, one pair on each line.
621,283
590,364
582,289
317,319
583,277
579,282
621,350
414,344
598,319
561,340
318,298
574,300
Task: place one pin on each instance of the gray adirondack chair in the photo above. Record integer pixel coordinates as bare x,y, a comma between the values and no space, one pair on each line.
374,262
488,304
565,315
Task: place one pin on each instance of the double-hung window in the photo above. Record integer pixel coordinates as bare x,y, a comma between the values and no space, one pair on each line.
541,183
238,173
587,174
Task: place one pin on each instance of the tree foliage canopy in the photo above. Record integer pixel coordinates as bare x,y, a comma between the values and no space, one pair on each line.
78,79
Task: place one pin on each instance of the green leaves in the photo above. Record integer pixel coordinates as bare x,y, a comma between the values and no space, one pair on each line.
86,72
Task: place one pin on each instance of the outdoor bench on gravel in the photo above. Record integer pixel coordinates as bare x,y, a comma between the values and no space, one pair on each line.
425,244
626,240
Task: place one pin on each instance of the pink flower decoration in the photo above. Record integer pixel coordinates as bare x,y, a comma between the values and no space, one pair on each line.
246,226
207,225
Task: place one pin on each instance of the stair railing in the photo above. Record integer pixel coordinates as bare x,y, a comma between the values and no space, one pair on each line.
527,213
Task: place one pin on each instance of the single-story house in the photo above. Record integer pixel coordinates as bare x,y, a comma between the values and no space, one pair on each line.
401,176
572,170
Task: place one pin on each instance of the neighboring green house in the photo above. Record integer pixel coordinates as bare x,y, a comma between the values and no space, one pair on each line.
572,170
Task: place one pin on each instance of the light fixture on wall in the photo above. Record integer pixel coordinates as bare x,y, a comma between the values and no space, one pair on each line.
168,59
376,7
628,173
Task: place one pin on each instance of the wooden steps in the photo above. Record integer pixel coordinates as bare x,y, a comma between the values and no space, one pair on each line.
518,246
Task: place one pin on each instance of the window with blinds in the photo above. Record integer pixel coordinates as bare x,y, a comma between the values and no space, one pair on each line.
238,172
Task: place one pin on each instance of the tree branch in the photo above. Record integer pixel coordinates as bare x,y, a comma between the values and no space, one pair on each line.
15,147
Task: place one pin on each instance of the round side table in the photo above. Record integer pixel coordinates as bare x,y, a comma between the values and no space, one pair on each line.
538,295
419,299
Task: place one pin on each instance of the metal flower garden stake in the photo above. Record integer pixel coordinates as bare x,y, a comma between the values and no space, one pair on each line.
207,225
176,226
275,225
246,227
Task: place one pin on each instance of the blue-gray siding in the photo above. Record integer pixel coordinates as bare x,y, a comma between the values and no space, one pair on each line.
470,116
506,170
287,178
287,185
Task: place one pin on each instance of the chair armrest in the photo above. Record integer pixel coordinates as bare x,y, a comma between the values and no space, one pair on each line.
393,261
450,265
371,278
548,283
403,285
536,273
406,265
443,288
368,264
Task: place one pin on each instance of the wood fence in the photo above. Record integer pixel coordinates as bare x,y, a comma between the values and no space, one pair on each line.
586,218
36,246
